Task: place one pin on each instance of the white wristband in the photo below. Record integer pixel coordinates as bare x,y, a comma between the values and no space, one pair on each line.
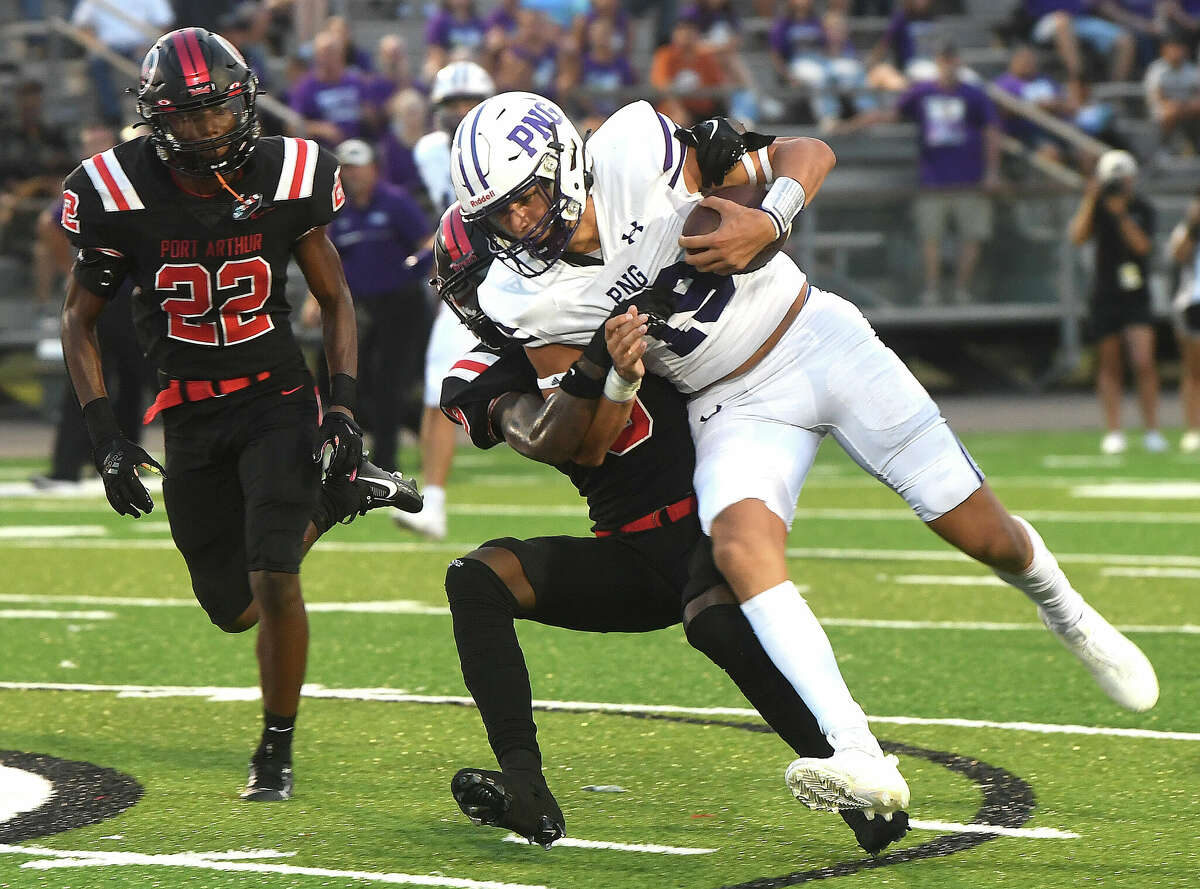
619,389
783,202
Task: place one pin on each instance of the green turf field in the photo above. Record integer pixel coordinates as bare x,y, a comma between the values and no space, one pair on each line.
953,665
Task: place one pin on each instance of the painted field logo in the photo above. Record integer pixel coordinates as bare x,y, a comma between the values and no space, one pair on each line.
42,795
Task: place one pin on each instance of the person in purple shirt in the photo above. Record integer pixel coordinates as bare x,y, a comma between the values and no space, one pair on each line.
795,34
393,71
909,38
408,113
959,144
332,99
378,231
621,26
1023,80
1065,23
456,26
601,72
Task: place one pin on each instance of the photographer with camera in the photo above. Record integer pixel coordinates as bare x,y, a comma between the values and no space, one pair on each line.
1184,248
1122,224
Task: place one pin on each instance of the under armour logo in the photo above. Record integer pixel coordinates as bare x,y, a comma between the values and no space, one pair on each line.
633,230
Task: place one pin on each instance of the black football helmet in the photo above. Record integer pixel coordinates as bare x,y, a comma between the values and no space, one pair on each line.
197,94
461,259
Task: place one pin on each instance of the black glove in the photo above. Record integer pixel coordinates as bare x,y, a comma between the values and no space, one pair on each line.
118,460
719,146
340,445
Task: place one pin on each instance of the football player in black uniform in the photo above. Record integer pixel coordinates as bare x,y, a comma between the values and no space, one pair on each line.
648,566
204,216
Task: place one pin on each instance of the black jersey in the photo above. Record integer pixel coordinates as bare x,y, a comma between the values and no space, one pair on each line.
209,273
648,467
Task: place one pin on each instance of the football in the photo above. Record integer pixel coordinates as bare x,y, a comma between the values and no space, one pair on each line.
703,220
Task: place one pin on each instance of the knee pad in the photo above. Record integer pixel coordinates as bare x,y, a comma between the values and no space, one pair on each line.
472,585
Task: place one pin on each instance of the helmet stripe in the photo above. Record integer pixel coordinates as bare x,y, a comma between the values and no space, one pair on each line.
462,167
453,248
459,229
191,59
474,154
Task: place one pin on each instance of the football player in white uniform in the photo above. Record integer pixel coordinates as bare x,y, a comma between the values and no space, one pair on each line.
457,88
772,364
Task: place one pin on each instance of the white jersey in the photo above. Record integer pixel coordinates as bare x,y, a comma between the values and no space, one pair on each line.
431,154
641,203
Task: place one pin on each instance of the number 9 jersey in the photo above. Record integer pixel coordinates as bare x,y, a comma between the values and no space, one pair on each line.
209,271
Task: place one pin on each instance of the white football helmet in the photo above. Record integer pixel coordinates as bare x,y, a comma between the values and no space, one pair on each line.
506,146
463,79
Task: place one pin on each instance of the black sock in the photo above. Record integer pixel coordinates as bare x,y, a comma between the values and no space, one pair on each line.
277,735
493,666
726,637
338,500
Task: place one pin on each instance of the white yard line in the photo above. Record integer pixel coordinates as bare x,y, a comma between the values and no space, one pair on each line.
392,695
1181,573
800,552
49,859
1033,833
46,614
409,606
50,532
391,606
575,843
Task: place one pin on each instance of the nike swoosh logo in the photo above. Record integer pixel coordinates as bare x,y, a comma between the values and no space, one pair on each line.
704,419
290,391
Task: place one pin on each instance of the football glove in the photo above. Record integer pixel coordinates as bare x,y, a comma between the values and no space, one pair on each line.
118,460
718,147
340,445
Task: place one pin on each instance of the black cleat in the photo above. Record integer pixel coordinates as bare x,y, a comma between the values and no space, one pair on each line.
876,834
372,488
270,779
510,801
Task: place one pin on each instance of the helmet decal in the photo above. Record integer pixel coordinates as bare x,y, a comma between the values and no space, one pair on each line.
541,121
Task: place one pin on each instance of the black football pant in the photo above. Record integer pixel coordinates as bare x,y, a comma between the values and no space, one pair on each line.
625,583
127,374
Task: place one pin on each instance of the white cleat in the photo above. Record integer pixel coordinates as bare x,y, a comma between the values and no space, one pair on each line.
428,522
850,779
1190,442
1118,666
1113,443
1154,442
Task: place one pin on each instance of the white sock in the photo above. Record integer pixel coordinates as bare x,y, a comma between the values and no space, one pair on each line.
1046,584
794,640
435,499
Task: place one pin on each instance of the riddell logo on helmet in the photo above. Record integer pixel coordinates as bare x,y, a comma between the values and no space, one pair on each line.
203,88
483,198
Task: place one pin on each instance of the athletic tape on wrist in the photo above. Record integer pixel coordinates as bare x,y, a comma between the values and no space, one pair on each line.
783,202
619,389
749,165
768,173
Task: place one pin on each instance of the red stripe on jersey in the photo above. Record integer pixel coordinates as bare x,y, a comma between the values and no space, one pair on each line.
110,183
462,419
298,170
452,246
468,364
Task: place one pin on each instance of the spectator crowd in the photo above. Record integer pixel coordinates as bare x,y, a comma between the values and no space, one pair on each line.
839,65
